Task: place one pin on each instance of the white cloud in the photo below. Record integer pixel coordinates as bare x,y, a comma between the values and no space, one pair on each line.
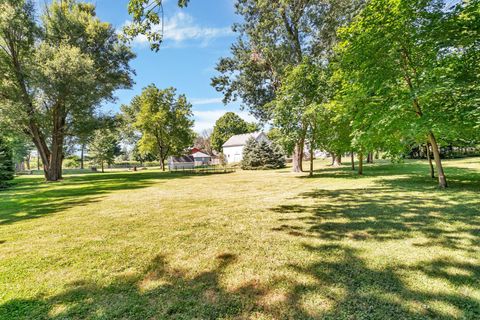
204,101
205,119
182,27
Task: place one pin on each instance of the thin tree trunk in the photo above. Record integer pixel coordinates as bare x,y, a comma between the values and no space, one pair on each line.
370,157
82,156
432,170
360,163
103,169
442,180
311,161
27,161
333,159
352,157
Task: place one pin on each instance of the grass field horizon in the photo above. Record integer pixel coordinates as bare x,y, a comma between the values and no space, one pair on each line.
244,245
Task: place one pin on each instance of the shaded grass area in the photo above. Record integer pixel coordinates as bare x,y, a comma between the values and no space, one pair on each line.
32,197
248,245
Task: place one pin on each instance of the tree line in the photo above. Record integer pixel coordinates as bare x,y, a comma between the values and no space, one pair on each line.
358,76
346,76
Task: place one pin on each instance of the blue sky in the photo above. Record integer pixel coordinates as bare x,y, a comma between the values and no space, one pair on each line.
195,38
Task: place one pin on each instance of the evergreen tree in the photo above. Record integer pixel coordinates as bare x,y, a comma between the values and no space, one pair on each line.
262,155
6,162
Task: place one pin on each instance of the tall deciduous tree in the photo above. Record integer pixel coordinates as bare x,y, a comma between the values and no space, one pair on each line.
227,126
58,71
164,121
396,55
103,147
274,36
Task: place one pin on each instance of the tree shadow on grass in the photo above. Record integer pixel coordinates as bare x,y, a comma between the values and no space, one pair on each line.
383,213
159,292
404,208
33,198
353,290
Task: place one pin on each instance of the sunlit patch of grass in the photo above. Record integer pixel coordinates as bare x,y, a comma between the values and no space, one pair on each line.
245,245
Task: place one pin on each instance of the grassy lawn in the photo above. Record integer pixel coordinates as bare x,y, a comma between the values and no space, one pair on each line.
245,245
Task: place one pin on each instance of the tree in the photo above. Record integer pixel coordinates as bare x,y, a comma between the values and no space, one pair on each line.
59,70
103,147
227,126
274,37
203,141
7,169
410,80
262,155
164,121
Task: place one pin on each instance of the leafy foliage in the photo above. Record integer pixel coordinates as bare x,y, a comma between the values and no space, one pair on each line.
59,69
104,147
164,121
410,88
7,169
227,126
147,18
262,155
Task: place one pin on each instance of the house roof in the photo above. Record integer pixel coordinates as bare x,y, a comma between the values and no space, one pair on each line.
241,139
183,159
195,150
200,154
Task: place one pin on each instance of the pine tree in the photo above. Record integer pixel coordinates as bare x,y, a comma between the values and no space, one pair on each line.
7,169
262,155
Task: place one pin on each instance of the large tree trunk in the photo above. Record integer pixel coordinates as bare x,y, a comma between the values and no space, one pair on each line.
297,158
162,163
337,160
432,171
51,159
360,163
352,156
54,171
442,180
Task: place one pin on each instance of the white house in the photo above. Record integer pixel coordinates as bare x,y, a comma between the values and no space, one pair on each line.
233,148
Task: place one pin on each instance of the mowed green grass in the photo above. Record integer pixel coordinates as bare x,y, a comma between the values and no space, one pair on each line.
246,245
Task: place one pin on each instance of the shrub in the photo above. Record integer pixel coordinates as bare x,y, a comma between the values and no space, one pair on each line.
71,162
7,169
262,155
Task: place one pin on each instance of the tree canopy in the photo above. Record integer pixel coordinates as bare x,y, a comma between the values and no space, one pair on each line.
410,87
164,121
60,69
227,126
